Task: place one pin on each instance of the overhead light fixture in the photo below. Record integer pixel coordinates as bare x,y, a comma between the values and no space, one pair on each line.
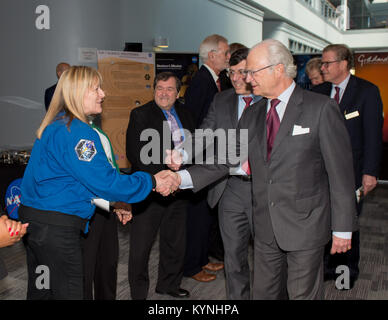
161,42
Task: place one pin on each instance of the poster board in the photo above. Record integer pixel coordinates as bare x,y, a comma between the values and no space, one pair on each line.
183,65
128,83
373,66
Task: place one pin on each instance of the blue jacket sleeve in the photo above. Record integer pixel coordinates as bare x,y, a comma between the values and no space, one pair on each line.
86,161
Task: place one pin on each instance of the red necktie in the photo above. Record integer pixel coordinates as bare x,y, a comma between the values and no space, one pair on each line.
273,124
245,166
218,83
337,94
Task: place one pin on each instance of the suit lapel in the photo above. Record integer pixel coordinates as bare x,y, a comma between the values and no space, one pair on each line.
254,120
347,96
233,111
292,113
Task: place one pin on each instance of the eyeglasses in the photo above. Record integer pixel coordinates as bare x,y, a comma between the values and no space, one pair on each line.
252,72
326,63
232,73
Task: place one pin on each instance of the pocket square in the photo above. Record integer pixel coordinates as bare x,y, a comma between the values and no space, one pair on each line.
299,130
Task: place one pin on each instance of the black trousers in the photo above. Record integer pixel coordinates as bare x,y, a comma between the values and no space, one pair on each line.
100,256
199,224
351,258
54,255
169,218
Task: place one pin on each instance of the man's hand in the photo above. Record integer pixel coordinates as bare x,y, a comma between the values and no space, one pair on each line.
173,159
167,182
123,211
340,245
11,231
368,183
123,215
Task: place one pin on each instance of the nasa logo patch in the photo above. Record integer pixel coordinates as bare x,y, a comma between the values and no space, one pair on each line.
85,150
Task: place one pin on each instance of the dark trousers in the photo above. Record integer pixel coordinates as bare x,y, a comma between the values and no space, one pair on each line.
54,255
199,222
216,245
101,253
170,219
235,216
350,258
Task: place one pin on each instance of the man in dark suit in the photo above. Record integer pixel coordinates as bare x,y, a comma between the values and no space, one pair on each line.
48,94
361,106
233,193
152,129
301,188
203,235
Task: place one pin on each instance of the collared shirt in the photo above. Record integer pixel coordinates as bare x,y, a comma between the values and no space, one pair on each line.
173,112
284,97
215,77
241,106
342,87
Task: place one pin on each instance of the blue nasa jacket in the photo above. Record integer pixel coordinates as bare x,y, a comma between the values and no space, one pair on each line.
68,168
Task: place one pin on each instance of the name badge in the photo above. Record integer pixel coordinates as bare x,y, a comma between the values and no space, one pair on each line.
351,115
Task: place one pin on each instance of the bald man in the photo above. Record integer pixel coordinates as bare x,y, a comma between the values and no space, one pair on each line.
48,95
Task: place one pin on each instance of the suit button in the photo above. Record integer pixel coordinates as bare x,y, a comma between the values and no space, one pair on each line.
270,181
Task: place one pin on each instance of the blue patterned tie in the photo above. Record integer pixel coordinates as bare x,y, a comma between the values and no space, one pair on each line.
175,130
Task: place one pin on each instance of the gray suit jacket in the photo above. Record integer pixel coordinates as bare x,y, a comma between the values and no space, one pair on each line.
222,114
307,188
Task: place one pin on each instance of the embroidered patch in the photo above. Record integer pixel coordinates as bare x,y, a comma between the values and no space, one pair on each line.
85,150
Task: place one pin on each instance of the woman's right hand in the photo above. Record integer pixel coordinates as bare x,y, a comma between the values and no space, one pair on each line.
11,231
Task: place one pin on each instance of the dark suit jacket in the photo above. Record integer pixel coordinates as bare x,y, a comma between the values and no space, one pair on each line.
48,95
151,117
306,189
365,130
200,94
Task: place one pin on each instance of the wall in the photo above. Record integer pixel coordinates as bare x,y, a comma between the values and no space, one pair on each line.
29,56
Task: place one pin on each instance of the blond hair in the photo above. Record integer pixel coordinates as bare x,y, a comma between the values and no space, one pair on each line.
313,64
69,95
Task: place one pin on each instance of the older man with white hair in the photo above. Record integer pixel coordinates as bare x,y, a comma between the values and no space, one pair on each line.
302,180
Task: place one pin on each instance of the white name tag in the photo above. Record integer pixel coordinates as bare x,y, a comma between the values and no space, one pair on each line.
351,115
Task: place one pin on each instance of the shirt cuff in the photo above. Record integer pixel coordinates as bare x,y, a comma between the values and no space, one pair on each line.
343,235
186,181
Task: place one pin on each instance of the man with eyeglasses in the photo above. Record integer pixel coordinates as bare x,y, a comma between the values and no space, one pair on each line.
361,106
233,192
301,189
203,235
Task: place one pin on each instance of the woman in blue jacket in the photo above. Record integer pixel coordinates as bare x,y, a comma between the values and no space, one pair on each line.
67,170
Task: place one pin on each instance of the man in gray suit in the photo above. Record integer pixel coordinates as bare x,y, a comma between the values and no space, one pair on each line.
233,193
302,180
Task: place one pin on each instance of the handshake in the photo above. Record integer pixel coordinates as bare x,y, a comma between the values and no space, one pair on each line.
167,181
